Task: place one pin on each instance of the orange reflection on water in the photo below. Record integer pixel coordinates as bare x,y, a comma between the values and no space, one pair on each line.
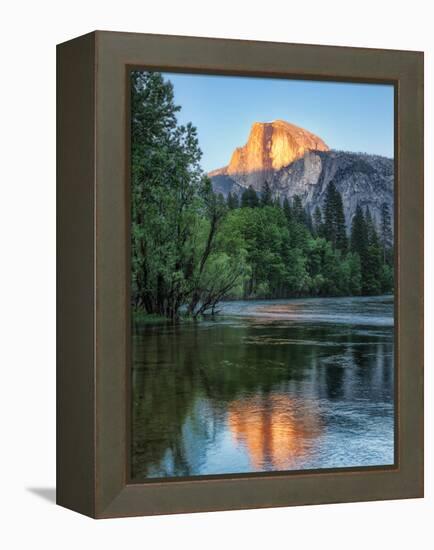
277,431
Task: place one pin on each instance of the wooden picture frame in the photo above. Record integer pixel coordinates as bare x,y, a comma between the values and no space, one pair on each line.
93,274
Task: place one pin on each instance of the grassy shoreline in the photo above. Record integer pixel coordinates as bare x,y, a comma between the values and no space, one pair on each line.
154,319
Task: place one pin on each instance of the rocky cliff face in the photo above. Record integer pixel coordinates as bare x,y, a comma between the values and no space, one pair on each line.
270,147
360,178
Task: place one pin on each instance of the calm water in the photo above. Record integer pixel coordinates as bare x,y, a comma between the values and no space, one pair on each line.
275,385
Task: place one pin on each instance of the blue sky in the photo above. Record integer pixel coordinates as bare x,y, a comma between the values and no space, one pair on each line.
347,116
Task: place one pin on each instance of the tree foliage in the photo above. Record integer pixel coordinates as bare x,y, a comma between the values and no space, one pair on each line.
175,216
232,201
266,195
376,258
249,198
334,228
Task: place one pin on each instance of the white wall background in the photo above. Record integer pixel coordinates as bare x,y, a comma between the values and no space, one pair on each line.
29,32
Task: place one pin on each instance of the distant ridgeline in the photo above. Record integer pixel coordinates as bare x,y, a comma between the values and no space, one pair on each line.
287,217
295,162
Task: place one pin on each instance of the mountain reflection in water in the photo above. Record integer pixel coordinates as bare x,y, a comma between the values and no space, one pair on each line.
276,430
286,385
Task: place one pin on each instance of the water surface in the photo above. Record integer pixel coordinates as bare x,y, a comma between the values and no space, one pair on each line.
265,386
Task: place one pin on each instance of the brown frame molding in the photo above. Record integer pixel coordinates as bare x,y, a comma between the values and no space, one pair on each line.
93,282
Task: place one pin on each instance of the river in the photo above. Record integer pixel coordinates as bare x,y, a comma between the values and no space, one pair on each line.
265,386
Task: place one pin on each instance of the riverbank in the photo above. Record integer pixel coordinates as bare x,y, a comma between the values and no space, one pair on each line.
355,310
359,310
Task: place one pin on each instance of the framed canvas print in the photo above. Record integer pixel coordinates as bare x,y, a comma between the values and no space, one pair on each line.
240,263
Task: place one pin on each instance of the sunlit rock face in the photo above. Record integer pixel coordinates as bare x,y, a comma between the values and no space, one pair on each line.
270,147
296,162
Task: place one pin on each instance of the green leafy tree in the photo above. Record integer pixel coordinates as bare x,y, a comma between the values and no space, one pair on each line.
175,214
221,266
166,181
277,269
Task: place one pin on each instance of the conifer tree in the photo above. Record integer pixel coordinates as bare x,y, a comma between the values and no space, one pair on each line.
249,198
334,219
266,195
340,227
370,225
317,222
372,266
365,242
386,233
359,234
287,210
329,214
298,212
232,201
309,222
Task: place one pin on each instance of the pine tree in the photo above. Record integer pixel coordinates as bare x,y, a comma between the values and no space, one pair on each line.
359,243
340,227
309,222
359,233
266,195
386,234
334,219
287,210
232,201
364,242
329,214
298,212
249,198
317,222
370,225
372,267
